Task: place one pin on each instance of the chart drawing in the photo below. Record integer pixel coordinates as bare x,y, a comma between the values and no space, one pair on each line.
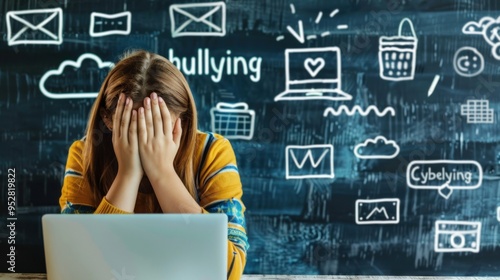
478,111
310,161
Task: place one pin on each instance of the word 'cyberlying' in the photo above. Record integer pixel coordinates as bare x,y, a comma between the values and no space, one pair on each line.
444,175
205,64
429,175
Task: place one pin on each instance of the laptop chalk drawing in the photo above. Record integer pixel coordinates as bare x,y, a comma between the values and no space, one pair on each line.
135,246
313,73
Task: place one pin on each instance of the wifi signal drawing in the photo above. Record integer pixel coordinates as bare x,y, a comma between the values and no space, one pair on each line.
377,211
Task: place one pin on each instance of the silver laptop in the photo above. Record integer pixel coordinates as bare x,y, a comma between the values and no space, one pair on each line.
313,73
140,246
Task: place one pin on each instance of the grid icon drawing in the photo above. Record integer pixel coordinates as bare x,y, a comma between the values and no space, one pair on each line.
477,111
233,121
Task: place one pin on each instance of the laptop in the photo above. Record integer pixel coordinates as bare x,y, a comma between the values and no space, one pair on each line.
135,246
313,73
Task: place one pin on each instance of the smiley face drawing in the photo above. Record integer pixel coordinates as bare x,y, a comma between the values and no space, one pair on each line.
468,62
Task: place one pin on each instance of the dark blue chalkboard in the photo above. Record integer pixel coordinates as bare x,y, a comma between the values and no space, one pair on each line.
365,131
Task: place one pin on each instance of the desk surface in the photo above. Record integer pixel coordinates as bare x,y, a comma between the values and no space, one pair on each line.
30,276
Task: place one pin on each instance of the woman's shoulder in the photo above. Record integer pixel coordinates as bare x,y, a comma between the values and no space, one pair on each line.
77,145
211,145
205,141
202,136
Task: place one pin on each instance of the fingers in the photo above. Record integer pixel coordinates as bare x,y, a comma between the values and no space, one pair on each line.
177,132
117,119
132,132
148,117
165,116
157,117
141,124
154,120
125,120
121,120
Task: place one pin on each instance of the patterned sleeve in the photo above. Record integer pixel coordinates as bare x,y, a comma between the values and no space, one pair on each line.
76,195
220,192
70,208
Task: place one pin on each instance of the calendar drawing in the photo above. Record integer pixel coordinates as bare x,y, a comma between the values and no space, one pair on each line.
233,121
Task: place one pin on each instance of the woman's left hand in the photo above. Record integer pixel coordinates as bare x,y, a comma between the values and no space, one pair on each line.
159,139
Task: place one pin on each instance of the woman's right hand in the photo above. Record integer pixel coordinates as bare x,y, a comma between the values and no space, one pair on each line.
123,192
125,141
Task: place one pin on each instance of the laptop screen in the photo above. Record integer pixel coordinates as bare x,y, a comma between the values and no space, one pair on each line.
317,68
152,246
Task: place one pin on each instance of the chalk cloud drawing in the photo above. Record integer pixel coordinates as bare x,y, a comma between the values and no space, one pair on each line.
84,76
489,28
476,28
377,148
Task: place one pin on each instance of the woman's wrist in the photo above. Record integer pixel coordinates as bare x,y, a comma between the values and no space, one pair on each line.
129,176
123,192
165,174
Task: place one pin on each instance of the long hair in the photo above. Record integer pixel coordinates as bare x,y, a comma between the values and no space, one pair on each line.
137,75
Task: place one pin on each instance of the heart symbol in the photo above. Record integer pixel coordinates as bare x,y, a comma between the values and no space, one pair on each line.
313,66
445,191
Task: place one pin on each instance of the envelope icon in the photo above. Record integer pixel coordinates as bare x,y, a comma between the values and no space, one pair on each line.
35,27
311,161
198,19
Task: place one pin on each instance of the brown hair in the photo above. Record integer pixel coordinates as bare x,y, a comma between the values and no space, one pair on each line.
137,75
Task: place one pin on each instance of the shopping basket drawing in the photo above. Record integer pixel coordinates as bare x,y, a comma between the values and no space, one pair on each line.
397,55
233,121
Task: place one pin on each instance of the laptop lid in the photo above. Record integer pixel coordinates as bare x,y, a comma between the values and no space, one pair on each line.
136,246
313,73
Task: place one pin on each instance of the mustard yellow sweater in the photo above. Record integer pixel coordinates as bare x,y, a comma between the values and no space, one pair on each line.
217,180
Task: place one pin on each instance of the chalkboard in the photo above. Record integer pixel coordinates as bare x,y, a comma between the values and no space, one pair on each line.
365,131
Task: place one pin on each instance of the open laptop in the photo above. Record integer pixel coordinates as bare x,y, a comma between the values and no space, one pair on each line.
313,73
135,246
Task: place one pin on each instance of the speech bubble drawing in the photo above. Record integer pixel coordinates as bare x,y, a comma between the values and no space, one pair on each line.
444,175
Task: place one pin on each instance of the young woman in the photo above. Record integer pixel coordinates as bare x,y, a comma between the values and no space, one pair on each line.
142,153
